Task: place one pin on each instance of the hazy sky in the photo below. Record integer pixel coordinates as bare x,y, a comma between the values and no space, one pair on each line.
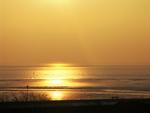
74,31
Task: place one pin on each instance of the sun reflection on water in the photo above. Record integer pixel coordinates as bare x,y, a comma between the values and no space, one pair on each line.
57,78
60,75
56,95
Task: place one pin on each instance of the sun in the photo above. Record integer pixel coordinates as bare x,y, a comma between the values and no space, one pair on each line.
57,82
58,72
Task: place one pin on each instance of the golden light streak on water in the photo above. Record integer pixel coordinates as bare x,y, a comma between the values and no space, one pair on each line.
56,95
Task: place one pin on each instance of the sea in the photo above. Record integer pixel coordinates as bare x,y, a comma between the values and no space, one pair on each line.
61,82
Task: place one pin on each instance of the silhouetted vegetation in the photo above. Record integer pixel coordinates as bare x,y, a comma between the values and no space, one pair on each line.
23,97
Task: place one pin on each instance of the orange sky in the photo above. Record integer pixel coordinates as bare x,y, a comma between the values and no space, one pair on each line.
74,31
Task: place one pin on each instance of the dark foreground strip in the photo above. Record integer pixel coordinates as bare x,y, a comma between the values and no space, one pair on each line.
79,106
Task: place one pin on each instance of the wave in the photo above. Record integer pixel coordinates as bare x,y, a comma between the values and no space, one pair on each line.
73,88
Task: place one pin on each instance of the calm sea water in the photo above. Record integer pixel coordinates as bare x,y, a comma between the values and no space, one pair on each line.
80,82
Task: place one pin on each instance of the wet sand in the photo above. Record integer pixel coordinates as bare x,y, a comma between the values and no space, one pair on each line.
79,106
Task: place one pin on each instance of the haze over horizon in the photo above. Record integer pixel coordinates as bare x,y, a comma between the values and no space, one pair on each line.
95,32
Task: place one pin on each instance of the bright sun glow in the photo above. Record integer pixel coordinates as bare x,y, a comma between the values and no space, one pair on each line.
60,71
59,65
57,82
